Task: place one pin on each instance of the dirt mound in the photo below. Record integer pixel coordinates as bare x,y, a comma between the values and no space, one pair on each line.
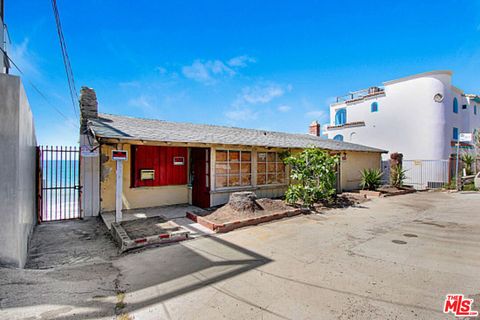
245,205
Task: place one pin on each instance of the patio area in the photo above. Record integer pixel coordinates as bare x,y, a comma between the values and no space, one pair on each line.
175,213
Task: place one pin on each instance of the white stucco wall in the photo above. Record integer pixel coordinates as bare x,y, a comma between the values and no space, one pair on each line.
17,172
408,119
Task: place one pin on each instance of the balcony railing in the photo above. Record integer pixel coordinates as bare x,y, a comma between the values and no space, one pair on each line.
360,94
347,125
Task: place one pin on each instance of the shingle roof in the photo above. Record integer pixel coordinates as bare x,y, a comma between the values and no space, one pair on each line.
122,127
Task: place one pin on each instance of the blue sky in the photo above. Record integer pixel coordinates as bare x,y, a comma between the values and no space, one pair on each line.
257,64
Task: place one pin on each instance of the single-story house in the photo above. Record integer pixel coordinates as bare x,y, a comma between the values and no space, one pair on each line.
178,163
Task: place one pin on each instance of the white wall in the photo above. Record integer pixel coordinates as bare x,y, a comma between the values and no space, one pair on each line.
408,119
17,172
89,180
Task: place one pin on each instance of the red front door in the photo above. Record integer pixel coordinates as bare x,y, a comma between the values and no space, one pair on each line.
200,168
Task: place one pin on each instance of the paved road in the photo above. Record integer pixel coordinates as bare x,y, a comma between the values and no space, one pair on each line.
390,258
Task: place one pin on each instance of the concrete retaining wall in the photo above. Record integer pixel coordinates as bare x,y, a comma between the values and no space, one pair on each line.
17,172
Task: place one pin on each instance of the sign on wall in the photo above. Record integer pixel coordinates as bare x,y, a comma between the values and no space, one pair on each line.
465,137
178,161
119,155
88,151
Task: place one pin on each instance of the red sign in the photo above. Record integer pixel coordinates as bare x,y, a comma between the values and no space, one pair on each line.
119,155
459,306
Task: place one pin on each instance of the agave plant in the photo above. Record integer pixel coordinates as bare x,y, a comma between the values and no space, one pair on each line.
371,179
468,160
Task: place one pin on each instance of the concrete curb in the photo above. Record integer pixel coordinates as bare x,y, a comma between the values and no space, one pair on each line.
370,193
399,193
126,243
232,225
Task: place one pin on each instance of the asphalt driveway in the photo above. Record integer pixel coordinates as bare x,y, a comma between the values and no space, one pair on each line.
390,258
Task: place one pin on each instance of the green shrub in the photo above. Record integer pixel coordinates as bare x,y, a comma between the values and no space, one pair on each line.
371,179
397,176
469,187
451,185
313,176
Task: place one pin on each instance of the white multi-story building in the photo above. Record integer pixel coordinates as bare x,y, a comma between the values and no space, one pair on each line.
420,116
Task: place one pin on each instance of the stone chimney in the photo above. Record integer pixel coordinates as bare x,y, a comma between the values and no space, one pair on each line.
314,128
88,107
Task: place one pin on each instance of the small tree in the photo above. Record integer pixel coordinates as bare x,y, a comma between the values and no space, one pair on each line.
397,176
313,175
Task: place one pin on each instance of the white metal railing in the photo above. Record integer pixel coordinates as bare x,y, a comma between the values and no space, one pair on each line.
421,174
354,95
426,174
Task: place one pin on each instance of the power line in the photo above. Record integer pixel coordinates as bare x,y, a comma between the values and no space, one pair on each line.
66,59
69,121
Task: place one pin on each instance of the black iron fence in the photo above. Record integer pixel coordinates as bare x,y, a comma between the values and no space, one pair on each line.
59,183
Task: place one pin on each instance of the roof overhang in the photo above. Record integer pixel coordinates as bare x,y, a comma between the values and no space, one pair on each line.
419,75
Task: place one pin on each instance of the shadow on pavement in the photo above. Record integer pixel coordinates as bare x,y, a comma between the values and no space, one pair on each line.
90,276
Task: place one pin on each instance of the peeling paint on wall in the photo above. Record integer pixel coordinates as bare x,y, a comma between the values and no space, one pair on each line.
104,169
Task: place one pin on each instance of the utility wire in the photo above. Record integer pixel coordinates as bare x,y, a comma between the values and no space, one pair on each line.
66,59
39,91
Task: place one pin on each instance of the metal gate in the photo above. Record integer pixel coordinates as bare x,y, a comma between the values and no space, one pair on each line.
426,174
58,183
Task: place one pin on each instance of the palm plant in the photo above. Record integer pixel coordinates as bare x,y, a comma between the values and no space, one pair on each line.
468,160
397,176
371,178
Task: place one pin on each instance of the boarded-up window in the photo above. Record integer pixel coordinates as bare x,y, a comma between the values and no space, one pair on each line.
270,168
233,168
165,166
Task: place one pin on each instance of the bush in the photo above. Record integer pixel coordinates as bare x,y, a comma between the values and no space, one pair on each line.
469,187
397,176
451,185
371,179
313,176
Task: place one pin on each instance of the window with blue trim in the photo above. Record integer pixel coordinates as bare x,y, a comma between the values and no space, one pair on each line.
455,134
374,107
338,137
455,105
340,117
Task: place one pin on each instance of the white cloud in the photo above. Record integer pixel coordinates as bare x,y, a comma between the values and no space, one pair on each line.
284,108
206,72
262,94
316,114
141,101
209,71
161,70
241,114
148,104
241,110
22,57
330,100
241,61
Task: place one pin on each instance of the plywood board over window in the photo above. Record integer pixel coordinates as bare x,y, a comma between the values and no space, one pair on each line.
270,168
165,165
233,168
